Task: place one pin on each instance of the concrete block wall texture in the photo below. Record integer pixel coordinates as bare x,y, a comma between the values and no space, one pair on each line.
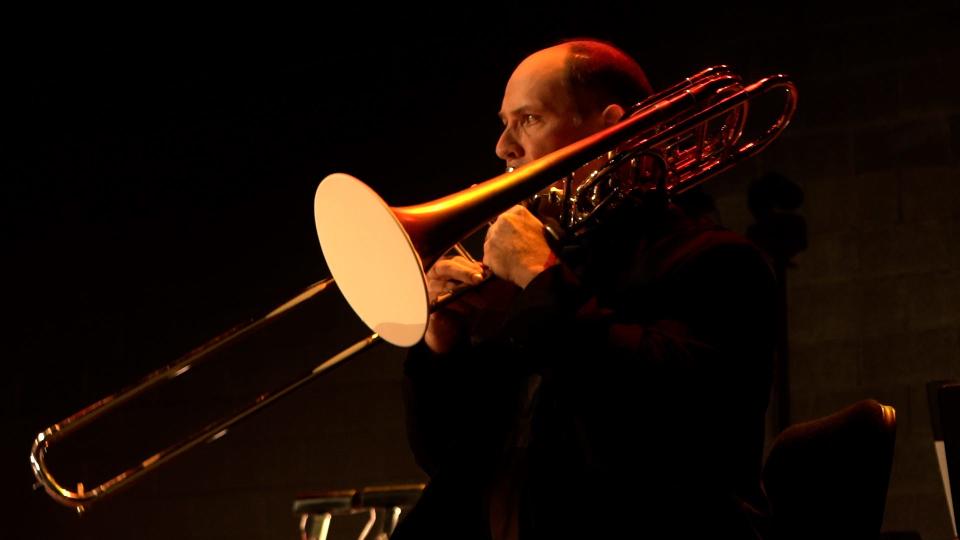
874,301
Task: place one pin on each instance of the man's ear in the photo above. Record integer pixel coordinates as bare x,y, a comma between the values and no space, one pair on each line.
612,114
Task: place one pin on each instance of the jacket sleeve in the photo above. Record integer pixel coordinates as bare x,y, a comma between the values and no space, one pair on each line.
458,405
689,378
721,300
716,324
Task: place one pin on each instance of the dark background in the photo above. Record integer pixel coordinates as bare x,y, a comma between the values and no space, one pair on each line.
158,181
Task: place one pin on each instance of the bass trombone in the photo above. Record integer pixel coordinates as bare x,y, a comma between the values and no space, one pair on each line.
378,255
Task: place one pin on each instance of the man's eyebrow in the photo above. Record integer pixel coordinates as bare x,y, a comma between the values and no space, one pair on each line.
525,109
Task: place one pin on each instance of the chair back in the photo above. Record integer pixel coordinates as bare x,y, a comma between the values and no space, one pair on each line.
828,478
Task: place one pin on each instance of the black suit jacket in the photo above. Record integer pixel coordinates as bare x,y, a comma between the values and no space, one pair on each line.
622,391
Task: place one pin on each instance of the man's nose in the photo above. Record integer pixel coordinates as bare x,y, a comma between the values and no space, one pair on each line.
508,149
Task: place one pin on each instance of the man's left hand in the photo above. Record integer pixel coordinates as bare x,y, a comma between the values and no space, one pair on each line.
515,248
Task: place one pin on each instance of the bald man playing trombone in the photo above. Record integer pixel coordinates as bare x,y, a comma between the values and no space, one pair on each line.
608,385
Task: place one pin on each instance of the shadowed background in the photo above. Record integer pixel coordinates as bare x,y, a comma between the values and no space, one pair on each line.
158,190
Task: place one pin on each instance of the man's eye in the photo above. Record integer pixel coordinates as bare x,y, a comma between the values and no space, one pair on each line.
529,119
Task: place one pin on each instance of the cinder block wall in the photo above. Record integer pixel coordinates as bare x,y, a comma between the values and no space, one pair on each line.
874,301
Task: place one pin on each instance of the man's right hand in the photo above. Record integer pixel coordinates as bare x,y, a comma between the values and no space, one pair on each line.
448,324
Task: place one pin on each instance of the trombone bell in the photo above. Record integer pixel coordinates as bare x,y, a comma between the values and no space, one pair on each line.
372,259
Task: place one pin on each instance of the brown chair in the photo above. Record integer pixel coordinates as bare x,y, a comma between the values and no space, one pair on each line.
828,478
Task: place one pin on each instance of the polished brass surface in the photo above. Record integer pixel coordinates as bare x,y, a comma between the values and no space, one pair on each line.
671,141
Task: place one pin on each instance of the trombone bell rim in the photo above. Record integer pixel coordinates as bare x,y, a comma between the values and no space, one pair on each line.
372,259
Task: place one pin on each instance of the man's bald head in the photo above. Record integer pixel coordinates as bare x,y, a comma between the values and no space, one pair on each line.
563,93
599,74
